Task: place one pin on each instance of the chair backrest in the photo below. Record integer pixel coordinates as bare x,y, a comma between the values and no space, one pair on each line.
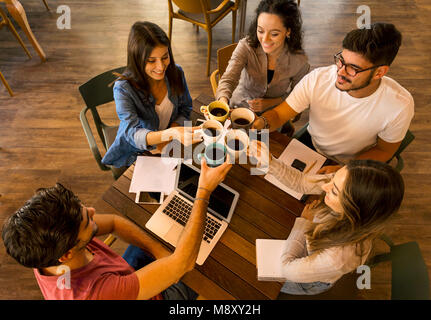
410,280
96,92
4,18
191,6
409,137
409,273
223,56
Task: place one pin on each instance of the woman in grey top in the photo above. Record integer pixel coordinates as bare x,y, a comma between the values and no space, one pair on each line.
269,62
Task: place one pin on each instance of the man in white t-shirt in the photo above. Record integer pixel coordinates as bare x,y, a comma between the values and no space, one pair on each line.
356,112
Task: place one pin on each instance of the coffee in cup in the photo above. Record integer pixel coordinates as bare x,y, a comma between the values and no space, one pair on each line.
216,110
211,131
242,118
236,144
214,154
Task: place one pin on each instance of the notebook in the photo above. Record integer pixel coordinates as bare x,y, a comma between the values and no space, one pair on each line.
268,259
171,217
297,150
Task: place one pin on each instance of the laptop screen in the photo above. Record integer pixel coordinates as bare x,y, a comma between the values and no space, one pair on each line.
221,199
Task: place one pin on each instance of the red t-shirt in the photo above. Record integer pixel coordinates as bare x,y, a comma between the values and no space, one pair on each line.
107,277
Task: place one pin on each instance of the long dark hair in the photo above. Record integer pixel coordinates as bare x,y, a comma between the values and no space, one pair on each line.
372,193
289,13
143,38
44,229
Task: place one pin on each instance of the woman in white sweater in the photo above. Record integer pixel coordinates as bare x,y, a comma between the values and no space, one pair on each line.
334,234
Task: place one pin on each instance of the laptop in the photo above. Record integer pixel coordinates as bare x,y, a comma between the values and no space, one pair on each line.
171,217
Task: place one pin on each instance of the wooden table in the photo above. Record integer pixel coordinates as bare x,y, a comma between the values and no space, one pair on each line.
263,211
18,13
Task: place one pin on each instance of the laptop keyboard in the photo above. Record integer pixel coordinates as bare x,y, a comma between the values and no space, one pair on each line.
180,211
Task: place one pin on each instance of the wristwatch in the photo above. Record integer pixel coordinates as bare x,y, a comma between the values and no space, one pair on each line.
265,122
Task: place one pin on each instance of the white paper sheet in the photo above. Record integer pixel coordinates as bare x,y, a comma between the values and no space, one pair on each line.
154,174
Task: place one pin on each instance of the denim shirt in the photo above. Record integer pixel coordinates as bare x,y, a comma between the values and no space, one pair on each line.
137,113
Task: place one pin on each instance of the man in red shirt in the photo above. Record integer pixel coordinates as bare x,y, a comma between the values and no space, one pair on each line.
54,234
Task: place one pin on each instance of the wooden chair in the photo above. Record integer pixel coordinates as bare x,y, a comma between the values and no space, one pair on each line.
5,22
110,239
223,57
17,12
205,14
3,79
46,5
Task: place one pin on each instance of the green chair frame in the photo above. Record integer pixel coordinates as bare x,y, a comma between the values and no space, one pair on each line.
96,92
409,137
410,280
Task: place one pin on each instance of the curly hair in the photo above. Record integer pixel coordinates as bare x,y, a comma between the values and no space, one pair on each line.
44,229
289,13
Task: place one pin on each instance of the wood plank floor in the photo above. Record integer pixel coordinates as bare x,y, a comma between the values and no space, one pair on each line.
41,139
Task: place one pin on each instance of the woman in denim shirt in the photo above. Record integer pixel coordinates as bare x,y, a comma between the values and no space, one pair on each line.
151,96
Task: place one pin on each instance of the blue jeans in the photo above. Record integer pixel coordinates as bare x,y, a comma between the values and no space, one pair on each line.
312,288
138,258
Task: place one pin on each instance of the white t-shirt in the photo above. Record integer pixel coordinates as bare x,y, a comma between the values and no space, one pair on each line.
164,111
342,126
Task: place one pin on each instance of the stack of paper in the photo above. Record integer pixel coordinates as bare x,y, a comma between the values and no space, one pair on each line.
297,150
154,174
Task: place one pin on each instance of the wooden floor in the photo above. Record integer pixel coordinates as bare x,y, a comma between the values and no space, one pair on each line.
42,142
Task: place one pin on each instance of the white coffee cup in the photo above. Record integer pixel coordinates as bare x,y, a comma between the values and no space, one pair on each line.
243,114
211,131
236,142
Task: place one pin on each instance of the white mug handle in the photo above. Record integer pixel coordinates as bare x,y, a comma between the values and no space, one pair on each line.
198,134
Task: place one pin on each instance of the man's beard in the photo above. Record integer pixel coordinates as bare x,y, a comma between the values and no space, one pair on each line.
91,237
365,84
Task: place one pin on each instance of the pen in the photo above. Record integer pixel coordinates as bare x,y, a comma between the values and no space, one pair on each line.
310,167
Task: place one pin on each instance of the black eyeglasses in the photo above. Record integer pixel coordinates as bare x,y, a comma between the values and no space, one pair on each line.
351,70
